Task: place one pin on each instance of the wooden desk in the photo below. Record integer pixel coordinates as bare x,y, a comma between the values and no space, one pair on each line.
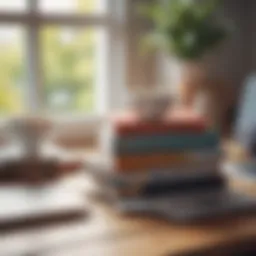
108,233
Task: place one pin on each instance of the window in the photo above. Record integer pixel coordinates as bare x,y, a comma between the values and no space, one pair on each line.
12,71
72,6
13,5
55,55
70,74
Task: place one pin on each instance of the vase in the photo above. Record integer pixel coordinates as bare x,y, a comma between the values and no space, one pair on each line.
193,79
185,79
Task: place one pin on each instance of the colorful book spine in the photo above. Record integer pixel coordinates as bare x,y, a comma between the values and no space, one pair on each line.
139,163
177,120
145,144
147,128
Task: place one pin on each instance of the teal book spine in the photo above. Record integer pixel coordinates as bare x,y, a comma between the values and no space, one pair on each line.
165,143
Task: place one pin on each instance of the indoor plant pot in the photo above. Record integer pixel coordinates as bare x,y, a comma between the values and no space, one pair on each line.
186,31
192,76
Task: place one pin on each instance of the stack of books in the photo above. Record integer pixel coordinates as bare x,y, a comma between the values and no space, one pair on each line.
181,146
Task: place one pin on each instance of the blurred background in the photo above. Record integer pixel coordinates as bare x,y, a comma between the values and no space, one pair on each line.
67,67
77,58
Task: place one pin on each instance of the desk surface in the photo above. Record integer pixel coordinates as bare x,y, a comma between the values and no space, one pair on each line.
106,232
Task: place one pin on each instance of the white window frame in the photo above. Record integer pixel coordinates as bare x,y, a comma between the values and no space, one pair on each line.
115,76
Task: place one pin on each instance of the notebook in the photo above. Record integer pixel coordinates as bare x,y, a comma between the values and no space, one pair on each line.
22,206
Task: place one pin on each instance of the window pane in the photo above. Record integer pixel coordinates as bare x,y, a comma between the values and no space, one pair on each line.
71,68
12,71
72,6
13,5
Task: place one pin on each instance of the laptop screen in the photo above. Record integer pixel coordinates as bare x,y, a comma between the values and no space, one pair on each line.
245,129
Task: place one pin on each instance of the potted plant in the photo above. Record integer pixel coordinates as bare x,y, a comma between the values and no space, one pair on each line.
186,30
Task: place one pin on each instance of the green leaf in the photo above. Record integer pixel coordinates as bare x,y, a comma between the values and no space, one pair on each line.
186,28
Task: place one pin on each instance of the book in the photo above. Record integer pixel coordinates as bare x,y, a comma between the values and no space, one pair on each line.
130,124
132,183
103,166
147,128
145,144
27,206
186,161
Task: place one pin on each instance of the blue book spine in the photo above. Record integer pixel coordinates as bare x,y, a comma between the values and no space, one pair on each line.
165,143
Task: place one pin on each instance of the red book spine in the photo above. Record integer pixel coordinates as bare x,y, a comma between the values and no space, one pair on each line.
147,128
